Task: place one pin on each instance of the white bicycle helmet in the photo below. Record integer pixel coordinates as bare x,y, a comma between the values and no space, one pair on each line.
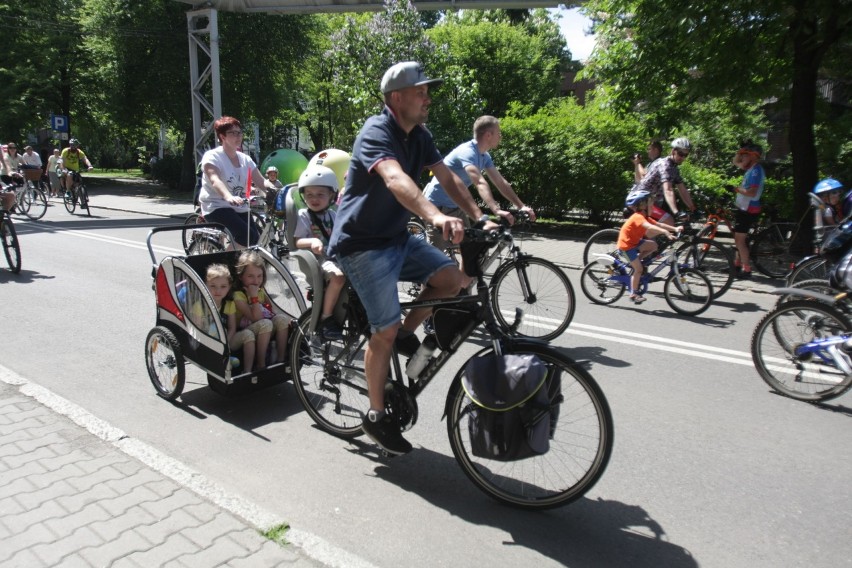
319,175
682,144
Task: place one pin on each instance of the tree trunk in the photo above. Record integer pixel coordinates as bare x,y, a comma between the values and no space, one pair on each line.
806,60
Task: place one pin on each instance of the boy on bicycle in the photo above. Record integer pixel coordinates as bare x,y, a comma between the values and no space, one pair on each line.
631,239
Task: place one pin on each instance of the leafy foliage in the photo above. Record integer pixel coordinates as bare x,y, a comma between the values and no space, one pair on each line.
565,156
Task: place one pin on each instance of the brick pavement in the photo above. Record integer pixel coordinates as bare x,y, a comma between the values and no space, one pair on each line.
77,492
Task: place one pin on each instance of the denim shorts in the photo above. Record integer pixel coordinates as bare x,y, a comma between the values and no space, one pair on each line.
375,273
237,224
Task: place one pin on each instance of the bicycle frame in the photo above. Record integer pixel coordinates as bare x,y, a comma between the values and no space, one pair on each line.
666,258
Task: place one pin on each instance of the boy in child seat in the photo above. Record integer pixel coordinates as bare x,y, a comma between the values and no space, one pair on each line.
631,238
318,186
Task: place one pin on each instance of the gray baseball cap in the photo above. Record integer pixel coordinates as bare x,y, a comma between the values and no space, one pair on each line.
404,75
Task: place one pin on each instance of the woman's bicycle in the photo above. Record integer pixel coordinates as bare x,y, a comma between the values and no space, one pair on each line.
207,240
537,286
30,199
11,246
78,195
330,379
687,290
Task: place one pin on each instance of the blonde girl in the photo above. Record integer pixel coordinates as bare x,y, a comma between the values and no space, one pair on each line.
256,311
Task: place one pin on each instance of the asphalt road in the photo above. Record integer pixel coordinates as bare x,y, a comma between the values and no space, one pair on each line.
709,467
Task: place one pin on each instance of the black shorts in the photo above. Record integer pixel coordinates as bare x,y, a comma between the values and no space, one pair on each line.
743,221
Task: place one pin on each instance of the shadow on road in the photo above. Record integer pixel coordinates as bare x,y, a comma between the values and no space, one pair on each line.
588,532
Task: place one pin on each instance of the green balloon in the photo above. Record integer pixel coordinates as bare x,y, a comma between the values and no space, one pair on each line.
290,164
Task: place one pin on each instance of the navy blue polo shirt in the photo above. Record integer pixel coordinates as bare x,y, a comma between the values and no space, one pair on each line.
369,216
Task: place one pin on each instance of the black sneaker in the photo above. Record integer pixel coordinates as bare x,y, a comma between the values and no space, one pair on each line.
330,331
385,432
743,275
407,345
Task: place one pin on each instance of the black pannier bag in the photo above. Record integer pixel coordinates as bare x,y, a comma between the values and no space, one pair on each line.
515,404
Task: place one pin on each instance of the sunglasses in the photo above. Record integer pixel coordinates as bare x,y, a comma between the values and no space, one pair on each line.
681,153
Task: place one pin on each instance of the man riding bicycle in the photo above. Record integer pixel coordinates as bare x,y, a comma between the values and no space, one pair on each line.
69,164
661,179
370,238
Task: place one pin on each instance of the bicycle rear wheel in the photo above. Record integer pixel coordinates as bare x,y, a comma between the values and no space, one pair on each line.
597,283
205,244
580,442
330,379
34,203
689,292
604,241
770,251
715,260
814,267
11,246
540,289
793,324
187,235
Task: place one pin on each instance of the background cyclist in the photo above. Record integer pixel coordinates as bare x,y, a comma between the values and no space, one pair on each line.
661,179
747,202
70,160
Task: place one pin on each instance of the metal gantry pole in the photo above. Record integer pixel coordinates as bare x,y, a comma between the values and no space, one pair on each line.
205,84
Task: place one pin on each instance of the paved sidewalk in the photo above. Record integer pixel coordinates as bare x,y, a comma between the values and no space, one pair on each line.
77,492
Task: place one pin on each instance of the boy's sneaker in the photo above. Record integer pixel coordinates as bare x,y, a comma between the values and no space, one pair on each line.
329,330
385,432
637,299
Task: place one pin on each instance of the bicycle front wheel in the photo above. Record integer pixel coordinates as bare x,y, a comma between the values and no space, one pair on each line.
814,267
70,201
542,292
799,324
330,379
815,285
770,251
581,438
84,199
604,241
34,203
688,292
715,260
11,247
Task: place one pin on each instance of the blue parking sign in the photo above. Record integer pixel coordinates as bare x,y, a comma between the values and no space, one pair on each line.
59,122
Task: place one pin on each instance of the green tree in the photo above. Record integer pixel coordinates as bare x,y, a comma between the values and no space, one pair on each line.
662,58
489,63
566,156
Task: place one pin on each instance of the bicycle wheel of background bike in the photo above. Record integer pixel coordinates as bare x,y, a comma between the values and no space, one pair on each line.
580,442
330,380
70,202
604,241
689,293
204,244
541,290
715,260
815,285
770,251
418,230
35,203
84,199
809,269
792,324
11,246
187,235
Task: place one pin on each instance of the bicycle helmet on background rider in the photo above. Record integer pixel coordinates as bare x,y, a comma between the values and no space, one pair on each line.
636,196
74,143
827,184
682,144
319,175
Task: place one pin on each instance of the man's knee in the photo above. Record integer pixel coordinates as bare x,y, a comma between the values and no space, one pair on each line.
447,279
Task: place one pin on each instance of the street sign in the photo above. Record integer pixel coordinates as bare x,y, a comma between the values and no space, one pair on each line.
59,122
